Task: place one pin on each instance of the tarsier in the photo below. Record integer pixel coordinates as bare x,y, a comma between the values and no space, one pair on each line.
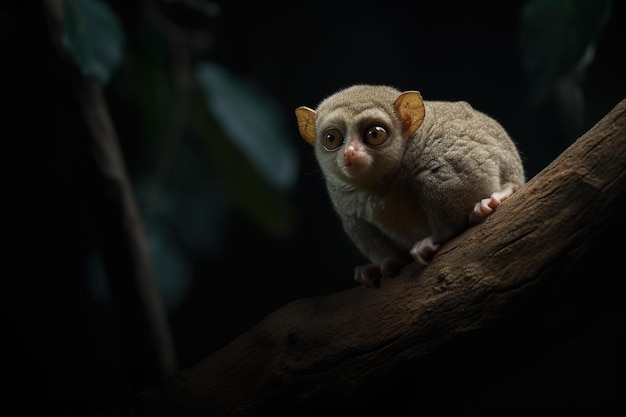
406,175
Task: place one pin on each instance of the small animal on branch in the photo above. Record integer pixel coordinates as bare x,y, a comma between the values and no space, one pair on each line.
405,175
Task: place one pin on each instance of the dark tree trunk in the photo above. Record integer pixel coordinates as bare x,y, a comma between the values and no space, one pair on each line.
117,226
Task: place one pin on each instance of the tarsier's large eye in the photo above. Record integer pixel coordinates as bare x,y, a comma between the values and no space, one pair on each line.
375,135
333,139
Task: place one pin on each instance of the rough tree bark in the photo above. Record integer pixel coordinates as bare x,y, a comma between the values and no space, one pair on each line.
534,273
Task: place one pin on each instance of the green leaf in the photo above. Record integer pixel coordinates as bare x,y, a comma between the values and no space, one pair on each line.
268,206
94,37
553,38
252,120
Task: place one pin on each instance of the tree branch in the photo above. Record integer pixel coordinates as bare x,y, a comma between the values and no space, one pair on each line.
510,273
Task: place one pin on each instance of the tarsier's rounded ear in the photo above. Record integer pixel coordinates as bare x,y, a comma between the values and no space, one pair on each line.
306,123
409,107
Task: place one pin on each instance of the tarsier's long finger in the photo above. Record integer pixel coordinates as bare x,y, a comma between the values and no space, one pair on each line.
486,206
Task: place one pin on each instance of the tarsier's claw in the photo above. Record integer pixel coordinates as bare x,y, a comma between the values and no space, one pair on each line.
482,209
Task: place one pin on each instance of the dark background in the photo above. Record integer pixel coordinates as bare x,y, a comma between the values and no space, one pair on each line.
61,346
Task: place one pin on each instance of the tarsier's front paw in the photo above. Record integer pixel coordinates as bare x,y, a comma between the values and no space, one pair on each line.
392,267
486,206
370,275
424,250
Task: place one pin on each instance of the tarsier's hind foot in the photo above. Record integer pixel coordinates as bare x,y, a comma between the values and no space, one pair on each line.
424,250
486,206
370,275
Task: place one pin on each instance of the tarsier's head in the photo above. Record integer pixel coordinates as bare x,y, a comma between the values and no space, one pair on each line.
359,133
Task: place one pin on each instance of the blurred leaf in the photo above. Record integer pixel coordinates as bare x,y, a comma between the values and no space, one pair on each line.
187,224
94,37
146,95
252,120
269,206
172,268
196,214
554,36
